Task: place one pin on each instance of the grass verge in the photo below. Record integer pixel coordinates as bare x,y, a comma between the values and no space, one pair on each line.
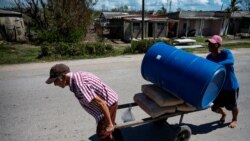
18,53
14,54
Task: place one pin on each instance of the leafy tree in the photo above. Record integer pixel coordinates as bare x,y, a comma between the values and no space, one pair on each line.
58,20
35,9
162,11
233,6
120,9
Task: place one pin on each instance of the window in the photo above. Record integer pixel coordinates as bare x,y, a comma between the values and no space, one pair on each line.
136,27
160,26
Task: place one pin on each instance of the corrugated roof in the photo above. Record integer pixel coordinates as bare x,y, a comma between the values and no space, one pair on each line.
198,15
205,18
240,14
110,15
9,13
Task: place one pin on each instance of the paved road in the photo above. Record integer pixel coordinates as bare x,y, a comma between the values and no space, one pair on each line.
30,110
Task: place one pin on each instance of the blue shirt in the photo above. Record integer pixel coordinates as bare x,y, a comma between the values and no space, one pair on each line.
225,58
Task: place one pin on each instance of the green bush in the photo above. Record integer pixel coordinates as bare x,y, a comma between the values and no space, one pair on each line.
71,35
142,46
75,49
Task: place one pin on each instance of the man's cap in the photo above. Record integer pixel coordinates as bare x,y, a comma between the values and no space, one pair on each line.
56,71
216,39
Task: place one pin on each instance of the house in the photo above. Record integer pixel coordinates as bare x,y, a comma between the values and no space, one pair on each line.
177,24
239,22
12,26
106,16
203,23
129,27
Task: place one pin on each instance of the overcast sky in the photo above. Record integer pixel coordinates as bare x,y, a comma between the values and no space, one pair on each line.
205,5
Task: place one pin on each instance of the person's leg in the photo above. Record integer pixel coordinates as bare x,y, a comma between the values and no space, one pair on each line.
112,111
232,105
218,103
235,112
101,127
223,115
101,132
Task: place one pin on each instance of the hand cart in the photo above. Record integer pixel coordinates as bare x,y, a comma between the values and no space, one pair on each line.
183,132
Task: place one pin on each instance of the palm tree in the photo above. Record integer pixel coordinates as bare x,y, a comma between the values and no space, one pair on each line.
230,9
162,11
233,6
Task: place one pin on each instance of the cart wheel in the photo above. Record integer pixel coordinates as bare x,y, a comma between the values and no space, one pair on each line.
117,135
183,133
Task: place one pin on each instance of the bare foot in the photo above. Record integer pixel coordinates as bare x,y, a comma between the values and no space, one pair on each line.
233,124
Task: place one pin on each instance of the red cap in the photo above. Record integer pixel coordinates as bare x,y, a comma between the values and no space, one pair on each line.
215,39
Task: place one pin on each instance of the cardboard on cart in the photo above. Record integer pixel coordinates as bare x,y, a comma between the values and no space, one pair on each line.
150,107
185,107
160,96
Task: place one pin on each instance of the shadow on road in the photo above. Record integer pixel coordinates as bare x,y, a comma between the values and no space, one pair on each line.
205,128
161,132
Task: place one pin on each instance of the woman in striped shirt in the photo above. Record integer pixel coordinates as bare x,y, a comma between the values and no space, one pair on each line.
96,97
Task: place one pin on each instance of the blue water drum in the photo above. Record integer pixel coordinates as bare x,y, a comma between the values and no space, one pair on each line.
194,79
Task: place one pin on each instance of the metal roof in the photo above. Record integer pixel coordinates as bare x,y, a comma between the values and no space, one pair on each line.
214,15
110,15
240,14
4,13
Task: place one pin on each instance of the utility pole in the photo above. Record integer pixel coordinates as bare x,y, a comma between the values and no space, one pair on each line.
142,27
170,6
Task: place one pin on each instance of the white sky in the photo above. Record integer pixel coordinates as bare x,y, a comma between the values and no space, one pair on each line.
157,4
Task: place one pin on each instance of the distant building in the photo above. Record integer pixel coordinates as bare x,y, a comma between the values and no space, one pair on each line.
202,23
239,22
207,23
106,16
128,26
12,26
177,24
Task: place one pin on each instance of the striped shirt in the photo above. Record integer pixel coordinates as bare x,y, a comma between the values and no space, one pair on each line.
86,87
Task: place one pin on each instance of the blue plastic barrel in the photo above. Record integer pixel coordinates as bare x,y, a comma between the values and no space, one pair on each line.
194,79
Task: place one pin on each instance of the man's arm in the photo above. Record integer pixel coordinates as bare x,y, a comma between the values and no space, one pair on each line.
102,104
229,60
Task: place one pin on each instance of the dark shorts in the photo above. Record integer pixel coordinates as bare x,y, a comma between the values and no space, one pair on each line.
227,99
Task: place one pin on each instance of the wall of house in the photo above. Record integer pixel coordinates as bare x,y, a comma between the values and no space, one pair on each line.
161,29
172,29
116,28
201,26
152,29
245,25
211,27
127,28
136,29
182,28
12,28
234,26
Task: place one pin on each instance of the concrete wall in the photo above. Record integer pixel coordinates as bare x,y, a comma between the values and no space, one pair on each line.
160,29
201,26
12,28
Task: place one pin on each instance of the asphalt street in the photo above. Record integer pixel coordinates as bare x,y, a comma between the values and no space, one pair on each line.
31,110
